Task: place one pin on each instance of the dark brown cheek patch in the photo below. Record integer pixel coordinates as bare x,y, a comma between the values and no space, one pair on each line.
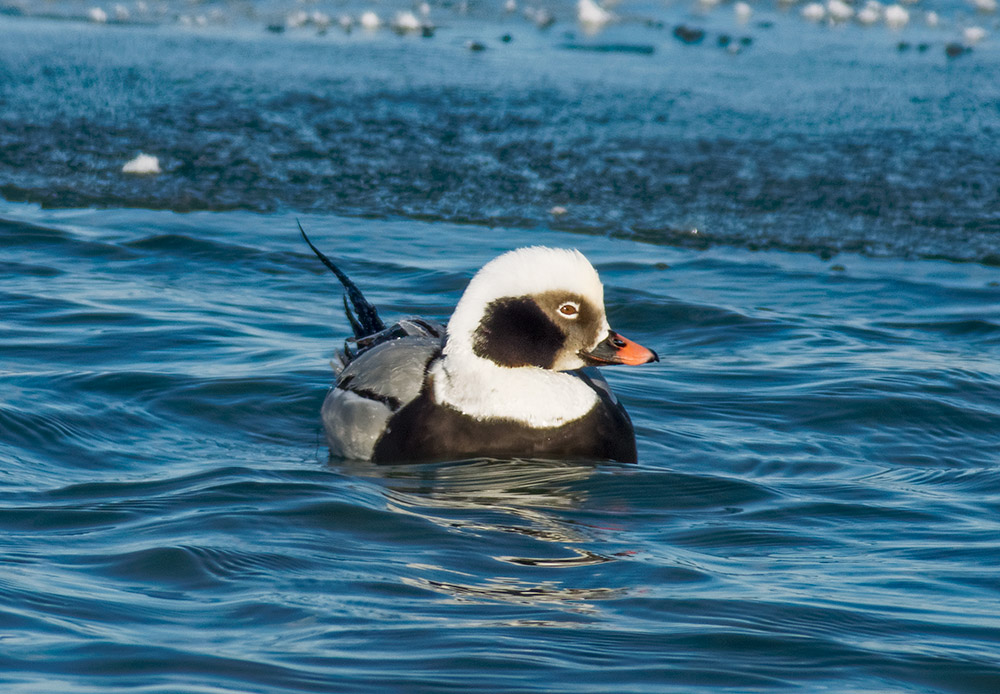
516,332
589,326
584,330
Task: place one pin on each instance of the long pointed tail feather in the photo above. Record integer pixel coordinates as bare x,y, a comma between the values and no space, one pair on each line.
367,321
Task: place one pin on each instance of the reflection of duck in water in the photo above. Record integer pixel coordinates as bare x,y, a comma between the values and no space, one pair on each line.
525,488
506,381
522,513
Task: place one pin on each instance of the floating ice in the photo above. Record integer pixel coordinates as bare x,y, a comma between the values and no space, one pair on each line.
540,17
405,22
871,13
321,20
896,16
590,14
814,12
839,10
142,165
973,35
296,19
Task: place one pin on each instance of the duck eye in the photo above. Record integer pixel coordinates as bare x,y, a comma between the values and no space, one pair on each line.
569,309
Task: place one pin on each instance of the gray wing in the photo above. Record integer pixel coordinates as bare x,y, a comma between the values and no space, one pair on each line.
407,327
370,388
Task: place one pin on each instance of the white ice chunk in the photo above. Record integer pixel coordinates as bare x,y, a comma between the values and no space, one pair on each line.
143,164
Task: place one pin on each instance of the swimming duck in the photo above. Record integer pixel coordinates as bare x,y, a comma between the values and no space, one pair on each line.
507,378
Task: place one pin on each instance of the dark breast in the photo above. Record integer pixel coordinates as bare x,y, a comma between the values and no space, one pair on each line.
424,431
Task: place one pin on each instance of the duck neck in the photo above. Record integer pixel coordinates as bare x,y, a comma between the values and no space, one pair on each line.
482,389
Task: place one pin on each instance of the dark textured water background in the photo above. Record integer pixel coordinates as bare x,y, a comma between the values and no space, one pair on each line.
808,232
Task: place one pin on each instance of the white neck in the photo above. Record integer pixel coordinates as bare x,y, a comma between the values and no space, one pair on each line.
537,397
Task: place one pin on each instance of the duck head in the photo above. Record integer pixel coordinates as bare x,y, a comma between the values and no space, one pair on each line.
539,308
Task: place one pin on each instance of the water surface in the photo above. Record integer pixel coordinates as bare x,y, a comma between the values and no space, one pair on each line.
815,507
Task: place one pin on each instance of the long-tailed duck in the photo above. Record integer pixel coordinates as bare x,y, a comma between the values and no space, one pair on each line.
506,379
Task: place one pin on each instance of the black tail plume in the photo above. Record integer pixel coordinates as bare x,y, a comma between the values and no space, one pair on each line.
367,321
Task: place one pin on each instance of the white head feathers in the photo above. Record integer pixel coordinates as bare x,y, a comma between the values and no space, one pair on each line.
480,388
522,272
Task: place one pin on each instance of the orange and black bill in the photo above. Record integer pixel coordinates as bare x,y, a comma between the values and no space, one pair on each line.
616,349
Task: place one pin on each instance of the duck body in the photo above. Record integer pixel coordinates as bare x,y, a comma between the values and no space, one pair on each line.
426,430
509,377
370,390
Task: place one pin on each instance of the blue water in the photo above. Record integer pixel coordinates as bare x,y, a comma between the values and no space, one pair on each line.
807,232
